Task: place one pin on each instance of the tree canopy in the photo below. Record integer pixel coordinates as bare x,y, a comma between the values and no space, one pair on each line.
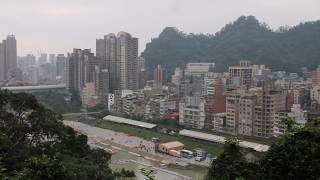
296,155
34,144
288,48
57,100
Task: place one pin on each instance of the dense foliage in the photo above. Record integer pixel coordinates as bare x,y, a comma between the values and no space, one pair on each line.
296,155
34,144
231,165
288,48
60,101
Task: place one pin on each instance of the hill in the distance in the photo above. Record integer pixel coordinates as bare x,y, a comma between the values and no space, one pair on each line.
288,48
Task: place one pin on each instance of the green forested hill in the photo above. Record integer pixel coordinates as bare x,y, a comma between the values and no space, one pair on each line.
288,48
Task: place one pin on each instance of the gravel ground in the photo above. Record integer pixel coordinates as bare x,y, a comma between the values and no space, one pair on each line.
130,143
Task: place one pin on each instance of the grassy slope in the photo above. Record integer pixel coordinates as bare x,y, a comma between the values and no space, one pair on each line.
71,117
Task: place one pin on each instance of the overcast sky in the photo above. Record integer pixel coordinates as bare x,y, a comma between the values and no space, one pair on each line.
57,26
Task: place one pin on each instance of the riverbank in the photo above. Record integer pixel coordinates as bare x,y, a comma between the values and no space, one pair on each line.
213,149
118,143
113,141
134,163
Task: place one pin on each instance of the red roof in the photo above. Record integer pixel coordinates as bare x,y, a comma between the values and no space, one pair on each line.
172,116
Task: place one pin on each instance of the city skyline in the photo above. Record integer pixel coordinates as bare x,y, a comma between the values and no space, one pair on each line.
166,90
59,26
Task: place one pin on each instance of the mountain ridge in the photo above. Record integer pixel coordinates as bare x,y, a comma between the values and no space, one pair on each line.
287,48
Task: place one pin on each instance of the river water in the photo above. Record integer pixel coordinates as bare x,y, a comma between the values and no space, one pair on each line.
122,160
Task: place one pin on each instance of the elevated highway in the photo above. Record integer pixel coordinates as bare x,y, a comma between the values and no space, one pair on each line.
34,88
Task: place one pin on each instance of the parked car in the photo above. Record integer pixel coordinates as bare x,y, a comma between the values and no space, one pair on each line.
200,158
186,154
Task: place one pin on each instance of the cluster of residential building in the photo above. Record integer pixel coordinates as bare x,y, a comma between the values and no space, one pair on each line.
29,69
45,69
248,100
115,66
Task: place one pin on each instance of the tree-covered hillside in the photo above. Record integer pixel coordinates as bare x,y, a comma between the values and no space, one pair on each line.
34,144
288,48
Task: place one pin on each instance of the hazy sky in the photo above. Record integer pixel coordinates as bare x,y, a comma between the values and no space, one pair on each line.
57,26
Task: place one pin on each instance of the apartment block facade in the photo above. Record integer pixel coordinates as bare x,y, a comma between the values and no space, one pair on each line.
192,113
120,57
272,102
241,75
8,58
232,112
247,105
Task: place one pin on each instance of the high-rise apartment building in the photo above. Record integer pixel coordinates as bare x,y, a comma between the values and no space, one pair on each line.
142,78
47,73
33,74
128,48
158,76
315,94
296,113
2,62
278,127
61,67
8,57
83,69
219,99
246,114
43,59
11,54
315,77
52,59
120,57
101,82
142,73
208,84
75,69
190,87
232,112
273,101
249,114
26,61
107,49
141,63
176,77
241,75
90,64
192,112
